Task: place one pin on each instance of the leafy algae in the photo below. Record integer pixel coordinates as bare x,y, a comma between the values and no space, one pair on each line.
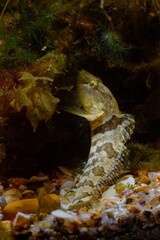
35,95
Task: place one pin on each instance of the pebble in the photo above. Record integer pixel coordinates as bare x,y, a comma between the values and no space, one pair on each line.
128,180
6,230
18,181
49,187
64,215
66,184
153,175
85,217
28,194
38,179
21,220
1,189
22,188
49,203
143,179
28,206
3,201
110,192
12,194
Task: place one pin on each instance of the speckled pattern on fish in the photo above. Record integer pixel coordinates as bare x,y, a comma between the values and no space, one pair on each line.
108,157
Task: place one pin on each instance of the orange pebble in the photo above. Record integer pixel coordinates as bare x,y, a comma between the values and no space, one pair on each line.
25,206
18,181
54,197
49,202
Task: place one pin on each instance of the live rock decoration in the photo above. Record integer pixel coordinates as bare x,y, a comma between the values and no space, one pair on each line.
53,55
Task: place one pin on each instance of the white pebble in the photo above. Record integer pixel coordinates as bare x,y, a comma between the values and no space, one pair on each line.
128,181
67,184
111,192
153,175
63,215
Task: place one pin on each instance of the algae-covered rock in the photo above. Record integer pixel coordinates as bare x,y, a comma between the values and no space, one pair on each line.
34,94
34,90
49,65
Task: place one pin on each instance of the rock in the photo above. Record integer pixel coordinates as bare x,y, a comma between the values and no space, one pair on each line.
153,176
18,181
27,206
143,180
49,187
38,179
3,201
124,183
110,192
63,215
6,231
49,203
22,188
12,194
21,220
1,189
127,180
27,194
67,184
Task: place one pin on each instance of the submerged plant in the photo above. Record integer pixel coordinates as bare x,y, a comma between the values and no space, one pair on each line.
26,31
110,46
14,53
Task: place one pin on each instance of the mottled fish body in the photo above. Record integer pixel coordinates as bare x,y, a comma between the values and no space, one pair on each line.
110,130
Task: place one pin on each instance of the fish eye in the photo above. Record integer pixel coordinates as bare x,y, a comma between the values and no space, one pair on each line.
93,84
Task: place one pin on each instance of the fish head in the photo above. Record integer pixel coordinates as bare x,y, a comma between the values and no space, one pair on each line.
95,98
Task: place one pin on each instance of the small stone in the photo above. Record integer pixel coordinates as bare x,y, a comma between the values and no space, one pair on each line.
46,223
49,187
41,192
134,208
22,188
21,220
110,192
63,215
144,188
85,217
142,172
12,194
3,202
18,181
28,206
143,179
6,231
28,194
153,175
1,189
49,203
38,179
67,184
127,182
